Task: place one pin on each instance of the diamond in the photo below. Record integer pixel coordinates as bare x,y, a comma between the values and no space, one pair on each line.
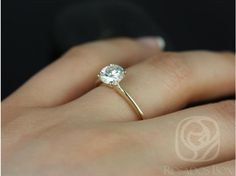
112,74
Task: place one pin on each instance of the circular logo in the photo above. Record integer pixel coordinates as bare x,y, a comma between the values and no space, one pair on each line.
197,139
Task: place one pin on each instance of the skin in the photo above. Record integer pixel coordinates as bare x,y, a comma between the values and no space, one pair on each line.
58,123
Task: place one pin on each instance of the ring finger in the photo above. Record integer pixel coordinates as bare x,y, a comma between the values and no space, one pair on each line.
162,84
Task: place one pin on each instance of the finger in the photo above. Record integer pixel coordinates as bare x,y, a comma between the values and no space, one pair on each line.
163,84
75,72
191,138
221,169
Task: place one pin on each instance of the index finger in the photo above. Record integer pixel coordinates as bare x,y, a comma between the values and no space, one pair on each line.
74,73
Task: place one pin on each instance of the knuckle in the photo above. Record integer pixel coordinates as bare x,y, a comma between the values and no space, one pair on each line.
74,50
83,55
78,51
174,68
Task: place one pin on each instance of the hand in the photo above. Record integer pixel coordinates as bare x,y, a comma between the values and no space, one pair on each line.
59,124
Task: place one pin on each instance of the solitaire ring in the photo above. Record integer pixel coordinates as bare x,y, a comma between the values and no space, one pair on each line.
111,75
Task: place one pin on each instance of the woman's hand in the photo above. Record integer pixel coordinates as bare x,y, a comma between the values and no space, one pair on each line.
59,124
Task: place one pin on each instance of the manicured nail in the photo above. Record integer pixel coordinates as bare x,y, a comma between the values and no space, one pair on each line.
154,42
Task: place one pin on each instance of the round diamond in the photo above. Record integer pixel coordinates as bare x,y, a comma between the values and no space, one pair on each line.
112,74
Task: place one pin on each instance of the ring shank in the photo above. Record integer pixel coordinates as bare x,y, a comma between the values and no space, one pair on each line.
130,100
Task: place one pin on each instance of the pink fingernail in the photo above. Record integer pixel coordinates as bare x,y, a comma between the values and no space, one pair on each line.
154,42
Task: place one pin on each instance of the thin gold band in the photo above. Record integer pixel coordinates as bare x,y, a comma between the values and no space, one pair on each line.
129,99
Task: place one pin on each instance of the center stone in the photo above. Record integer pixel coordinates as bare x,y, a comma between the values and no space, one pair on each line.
112,74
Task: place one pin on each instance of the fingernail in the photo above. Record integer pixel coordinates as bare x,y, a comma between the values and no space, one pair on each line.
154,42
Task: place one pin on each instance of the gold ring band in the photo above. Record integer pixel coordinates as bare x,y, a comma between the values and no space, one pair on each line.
111,76
130,100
